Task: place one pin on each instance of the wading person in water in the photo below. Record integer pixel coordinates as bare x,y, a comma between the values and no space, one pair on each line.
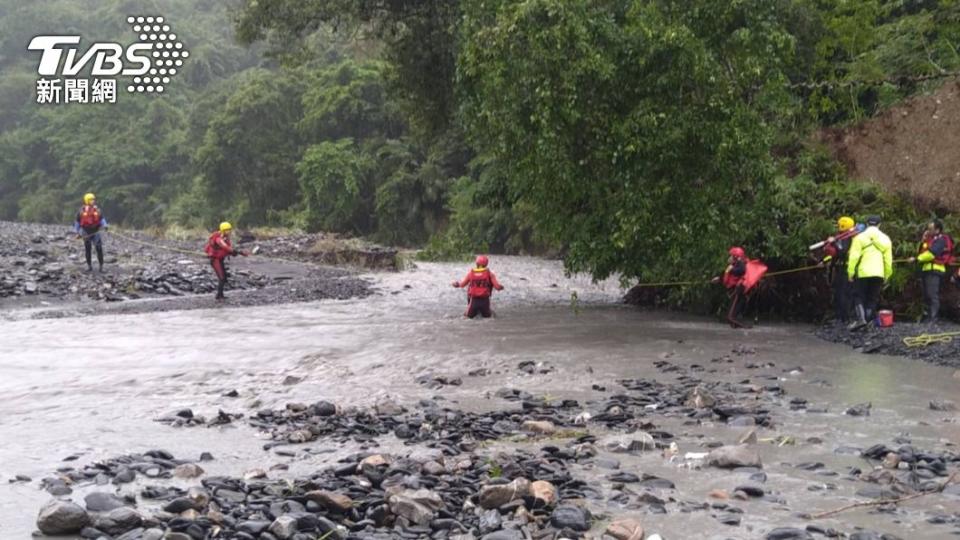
218,249
480,283
740,276
88,224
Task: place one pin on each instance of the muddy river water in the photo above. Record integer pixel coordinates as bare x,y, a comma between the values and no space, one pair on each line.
91,388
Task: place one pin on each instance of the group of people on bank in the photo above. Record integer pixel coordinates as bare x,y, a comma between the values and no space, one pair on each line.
859,258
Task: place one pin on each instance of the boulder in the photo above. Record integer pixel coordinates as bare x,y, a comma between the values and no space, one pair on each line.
545,492
540,427
188,470
331,501
61,517
284,527
732,457
102,502
570,517
625,529
497,495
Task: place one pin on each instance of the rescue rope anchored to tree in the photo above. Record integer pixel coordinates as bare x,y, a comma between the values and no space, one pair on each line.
859,258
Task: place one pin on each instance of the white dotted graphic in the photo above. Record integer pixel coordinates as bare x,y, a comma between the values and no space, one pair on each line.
167,52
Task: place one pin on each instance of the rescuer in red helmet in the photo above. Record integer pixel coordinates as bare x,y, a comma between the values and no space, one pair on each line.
480,283
740,277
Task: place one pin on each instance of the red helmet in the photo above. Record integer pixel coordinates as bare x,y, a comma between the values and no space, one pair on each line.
737,252
482,261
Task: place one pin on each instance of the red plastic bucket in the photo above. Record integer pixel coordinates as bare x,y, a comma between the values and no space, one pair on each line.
884,318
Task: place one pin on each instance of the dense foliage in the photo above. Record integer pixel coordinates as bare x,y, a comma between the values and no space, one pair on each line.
633,137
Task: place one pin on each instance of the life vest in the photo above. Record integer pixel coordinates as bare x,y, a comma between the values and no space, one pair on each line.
753,273
480,285
214,249
947,257
90,216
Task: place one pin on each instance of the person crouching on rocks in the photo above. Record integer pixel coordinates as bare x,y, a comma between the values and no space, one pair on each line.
480,283
218,249
740,276
88,224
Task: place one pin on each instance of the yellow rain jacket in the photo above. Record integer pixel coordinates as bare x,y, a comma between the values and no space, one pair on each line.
871,255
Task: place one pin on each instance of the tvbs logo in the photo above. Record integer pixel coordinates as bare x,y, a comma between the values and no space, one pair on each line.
151,62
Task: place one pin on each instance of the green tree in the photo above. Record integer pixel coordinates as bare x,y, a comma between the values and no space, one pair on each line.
635,131
338,194
251,148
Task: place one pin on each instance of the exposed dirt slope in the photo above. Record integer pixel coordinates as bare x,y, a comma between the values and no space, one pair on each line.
912,149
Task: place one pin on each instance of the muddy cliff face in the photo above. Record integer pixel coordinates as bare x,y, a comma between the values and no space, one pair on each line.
910,149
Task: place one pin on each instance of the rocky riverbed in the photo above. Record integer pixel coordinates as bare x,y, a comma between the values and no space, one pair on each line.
939,343
545,468
47,270
392,417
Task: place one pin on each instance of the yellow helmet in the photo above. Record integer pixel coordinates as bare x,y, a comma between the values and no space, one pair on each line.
89,198
845,223
226,226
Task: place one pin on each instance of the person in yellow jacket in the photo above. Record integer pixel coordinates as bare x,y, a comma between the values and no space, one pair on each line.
935,256
869,265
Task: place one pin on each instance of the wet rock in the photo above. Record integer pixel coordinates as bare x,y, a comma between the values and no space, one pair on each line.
102,502
655,482
284,527
730,518
118,521
152,534
625,529
541,427
417,507
181,504
633,443
943,406
750,490
188,470
497,495
323,408
699,398
545,492
720,494
731,457
748,437
788,533
331,501
56,487
506,534
490,521
61,517
862,409
253,527
255,474
571,517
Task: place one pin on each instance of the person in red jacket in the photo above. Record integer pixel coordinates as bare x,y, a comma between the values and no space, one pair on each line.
218,249
480,283
740,276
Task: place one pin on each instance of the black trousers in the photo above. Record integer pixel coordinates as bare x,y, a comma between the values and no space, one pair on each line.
91,239
479,306
931,282
842,294
738,303
220,269
868,295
